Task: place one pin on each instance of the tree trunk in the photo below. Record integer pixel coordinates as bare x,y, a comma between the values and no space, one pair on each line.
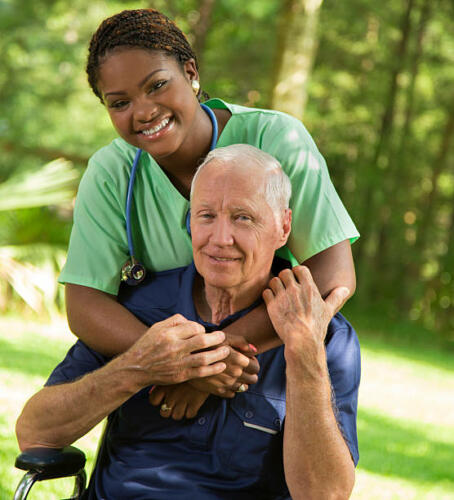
296,47
201,27
377,213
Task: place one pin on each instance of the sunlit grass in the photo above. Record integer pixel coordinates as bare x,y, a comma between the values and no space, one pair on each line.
405,422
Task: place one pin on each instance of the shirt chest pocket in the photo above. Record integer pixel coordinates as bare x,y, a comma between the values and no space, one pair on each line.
251,440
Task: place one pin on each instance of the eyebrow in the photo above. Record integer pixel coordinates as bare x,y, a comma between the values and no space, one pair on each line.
141,83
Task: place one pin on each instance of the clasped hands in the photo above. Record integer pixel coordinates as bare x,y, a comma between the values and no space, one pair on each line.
300,317
185,399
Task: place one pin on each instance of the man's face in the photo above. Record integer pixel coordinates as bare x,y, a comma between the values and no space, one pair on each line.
234,231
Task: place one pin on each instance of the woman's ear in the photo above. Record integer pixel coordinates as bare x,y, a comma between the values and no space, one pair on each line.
190,70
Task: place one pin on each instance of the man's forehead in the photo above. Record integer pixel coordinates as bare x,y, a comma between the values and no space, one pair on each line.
232,174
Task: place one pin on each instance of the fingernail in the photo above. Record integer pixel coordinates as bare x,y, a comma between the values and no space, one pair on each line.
252,347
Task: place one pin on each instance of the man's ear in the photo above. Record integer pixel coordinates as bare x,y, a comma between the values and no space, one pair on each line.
285,227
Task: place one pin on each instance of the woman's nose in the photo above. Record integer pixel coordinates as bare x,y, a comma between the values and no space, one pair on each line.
145,110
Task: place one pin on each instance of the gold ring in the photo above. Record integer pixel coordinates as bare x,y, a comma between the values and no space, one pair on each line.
164,407
241,388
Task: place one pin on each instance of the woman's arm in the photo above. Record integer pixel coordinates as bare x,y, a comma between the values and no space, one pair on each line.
97,319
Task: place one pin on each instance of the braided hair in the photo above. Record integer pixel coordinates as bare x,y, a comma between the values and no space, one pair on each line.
142,28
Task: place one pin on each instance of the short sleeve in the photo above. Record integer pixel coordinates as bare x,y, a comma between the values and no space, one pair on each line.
79,361
344,365
319,218
98,245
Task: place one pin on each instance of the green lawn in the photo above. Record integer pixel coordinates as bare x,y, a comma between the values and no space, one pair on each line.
405,422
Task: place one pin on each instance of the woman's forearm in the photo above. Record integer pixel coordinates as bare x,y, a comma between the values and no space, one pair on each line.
333,268
100,321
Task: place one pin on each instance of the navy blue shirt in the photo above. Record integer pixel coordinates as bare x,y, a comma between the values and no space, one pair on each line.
233,447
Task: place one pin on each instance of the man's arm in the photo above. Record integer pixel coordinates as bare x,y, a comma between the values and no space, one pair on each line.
317,461
58,415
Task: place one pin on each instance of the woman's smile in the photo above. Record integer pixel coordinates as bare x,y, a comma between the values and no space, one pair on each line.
150,101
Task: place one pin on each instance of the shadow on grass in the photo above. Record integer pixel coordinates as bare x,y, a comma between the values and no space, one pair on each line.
391,449
30,359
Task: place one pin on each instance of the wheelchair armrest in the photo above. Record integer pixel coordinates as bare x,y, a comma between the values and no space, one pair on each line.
51,463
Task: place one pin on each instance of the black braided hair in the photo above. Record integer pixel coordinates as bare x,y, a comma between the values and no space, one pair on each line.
142,28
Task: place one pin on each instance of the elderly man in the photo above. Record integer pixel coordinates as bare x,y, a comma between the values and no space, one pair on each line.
293,433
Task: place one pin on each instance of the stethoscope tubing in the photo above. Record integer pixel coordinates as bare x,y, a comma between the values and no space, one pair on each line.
132,177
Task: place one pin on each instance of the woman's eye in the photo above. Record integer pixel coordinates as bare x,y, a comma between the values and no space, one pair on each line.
243,217
118,104
157,85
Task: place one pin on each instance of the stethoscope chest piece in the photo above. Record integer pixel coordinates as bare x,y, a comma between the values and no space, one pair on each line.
133,272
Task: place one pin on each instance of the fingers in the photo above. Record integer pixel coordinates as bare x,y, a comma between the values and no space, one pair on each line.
209,357
156,395
336,299
176,319
206,371
239,342
254,366
186,329
248,379
205,341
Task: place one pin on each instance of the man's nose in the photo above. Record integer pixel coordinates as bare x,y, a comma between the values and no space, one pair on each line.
222,234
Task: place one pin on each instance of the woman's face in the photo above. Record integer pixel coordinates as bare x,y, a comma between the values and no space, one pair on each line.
149,99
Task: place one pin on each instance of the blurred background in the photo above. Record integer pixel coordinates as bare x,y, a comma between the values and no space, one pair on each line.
373,82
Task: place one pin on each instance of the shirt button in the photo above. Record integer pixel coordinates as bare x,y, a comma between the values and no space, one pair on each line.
249,414
201,420
277,422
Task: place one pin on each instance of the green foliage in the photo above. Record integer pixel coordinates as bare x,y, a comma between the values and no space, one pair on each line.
380,108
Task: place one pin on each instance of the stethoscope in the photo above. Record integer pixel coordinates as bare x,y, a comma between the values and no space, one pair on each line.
133,272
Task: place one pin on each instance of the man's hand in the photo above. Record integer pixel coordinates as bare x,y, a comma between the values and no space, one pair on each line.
168,353
183,400
299,314
242,369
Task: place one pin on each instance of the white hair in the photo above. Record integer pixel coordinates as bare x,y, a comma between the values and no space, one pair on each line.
278,188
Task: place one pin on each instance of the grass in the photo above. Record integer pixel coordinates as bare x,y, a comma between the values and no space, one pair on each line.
405,420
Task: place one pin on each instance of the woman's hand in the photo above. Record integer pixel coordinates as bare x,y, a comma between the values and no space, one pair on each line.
242,369
177,401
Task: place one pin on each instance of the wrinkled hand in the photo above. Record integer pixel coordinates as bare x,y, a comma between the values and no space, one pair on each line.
183,399
299,314
242,369
168,353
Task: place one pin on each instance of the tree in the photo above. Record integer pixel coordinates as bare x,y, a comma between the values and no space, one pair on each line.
296,48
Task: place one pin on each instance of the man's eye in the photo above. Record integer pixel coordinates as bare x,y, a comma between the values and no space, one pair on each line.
243,217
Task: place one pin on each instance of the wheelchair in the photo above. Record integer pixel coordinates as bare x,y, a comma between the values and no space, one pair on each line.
47,463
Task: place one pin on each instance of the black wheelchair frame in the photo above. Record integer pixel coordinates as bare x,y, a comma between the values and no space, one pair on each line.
46,463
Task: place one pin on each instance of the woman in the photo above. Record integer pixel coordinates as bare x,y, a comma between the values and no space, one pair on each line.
144,71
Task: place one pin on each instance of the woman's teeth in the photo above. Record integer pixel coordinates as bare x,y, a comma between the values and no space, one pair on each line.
153,130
